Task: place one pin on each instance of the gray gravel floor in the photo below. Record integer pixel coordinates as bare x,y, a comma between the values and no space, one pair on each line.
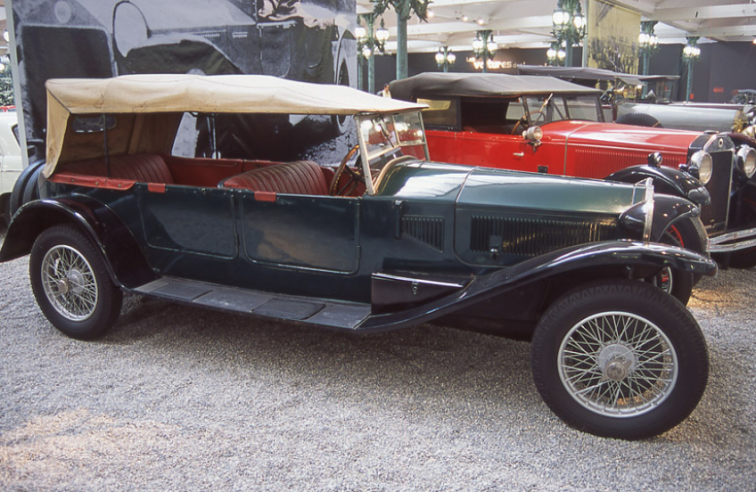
177,398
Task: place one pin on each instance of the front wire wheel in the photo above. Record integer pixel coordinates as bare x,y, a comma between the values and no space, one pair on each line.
619,359
71,283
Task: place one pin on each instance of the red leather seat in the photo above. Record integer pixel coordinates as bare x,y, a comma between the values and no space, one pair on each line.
146,168
297,178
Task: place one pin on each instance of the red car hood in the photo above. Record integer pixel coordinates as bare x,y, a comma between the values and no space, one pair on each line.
584,133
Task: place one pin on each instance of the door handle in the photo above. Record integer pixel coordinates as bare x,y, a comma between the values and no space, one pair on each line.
519,154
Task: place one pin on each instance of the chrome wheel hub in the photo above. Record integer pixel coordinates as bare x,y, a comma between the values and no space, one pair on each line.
616,362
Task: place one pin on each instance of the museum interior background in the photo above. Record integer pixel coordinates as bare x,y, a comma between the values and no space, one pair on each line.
319,40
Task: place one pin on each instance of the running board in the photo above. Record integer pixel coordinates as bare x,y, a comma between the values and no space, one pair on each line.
321,312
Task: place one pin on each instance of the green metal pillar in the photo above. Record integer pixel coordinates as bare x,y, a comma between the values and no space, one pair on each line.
402,15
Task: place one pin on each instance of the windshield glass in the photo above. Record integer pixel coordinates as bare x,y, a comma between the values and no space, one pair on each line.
548,108
384,138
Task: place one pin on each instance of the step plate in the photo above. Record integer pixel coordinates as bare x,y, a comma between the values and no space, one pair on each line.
323,312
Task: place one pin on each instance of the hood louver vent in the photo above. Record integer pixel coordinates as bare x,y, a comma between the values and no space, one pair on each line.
427,230
533,236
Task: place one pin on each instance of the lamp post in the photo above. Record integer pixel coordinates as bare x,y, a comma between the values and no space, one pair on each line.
404,9
647,42
484,47
369,41
556,54
445,58
569,25
691,52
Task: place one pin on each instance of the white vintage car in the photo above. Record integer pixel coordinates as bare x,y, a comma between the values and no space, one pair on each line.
10,160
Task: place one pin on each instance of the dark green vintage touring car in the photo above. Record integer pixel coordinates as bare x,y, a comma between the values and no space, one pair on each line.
383,239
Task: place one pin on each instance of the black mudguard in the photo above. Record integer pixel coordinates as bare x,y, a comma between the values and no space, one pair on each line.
126,264
666,181
26,187
607,259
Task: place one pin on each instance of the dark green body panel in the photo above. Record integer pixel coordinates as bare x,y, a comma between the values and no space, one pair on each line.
424,219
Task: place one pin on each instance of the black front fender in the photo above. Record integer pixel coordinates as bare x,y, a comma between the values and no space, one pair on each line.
666,181
608,259
127,265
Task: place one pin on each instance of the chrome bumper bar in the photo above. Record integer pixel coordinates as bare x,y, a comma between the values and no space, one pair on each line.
721,244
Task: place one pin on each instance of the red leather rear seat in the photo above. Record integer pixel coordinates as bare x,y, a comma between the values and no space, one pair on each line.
297,178
147,168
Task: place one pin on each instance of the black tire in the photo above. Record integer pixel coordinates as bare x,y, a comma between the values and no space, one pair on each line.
71,283
340,123
639,119
660,355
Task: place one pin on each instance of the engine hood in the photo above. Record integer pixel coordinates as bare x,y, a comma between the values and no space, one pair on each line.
613,135
493,188
687,117
500,217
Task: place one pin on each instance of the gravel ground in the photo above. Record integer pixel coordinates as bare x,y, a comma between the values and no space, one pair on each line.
176,398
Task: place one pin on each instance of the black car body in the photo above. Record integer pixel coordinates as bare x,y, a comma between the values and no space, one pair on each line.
316,243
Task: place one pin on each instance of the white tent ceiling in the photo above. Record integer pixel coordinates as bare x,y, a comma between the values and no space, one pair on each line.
527,23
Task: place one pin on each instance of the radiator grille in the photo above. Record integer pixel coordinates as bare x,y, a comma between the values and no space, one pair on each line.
528,236
427,230
595,163
714,216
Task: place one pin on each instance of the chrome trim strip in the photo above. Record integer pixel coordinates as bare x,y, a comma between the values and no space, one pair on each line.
420,281
749,236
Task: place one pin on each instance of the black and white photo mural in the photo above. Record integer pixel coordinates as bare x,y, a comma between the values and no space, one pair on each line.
306,40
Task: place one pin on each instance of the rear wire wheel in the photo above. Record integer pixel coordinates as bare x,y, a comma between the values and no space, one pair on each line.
71,283
619,359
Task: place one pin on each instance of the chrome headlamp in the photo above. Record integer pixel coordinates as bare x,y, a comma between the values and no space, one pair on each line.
533,134
701,166
747,160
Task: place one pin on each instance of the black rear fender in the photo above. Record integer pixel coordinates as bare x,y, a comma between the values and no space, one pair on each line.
126,263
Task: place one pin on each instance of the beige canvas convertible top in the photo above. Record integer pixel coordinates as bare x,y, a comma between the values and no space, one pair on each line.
174,94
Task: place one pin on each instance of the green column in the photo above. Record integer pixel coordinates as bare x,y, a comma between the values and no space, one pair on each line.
402,15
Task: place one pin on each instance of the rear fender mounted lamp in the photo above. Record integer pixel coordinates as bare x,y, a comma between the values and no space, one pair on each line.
640,217
746,160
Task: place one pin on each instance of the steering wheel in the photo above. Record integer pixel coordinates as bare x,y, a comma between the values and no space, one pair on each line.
523,121
355,175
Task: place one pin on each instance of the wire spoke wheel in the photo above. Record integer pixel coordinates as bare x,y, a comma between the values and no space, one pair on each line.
617,364
69,283
619,358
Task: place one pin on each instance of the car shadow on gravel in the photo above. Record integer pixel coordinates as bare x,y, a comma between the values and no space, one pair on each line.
427,362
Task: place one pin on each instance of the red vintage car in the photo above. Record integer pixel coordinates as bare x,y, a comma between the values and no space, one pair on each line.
547,125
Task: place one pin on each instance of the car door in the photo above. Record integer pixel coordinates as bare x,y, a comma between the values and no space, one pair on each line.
299,233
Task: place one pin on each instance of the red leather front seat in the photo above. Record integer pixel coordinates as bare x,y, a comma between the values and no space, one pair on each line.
296,178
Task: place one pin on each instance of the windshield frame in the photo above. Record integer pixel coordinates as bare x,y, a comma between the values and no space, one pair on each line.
377,159
559,104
